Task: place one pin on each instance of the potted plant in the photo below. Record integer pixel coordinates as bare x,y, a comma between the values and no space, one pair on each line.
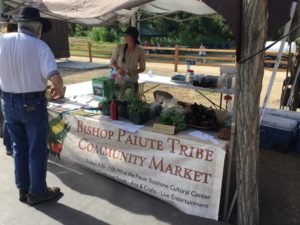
105,106
138,111
125,96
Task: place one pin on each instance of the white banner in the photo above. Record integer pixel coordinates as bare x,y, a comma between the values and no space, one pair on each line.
175,168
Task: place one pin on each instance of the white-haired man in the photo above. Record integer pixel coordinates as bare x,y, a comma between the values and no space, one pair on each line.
26,65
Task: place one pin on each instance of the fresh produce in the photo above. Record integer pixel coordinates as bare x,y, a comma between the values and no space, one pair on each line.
201,116
138,106
174,116
224,134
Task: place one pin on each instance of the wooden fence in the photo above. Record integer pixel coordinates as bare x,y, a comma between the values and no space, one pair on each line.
172,55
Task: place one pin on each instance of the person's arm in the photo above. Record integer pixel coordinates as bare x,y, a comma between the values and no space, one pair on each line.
142,63
58,85
49,71
114,60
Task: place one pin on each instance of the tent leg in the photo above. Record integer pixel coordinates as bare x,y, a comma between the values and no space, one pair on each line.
1,10
231,206
230,154
289,103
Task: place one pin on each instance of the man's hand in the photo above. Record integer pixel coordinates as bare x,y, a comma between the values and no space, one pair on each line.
56,94
57,90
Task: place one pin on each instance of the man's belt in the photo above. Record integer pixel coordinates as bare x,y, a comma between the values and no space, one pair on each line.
28,95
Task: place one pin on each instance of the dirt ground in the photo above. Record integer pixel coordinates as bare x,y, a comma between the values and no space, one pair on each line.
279,173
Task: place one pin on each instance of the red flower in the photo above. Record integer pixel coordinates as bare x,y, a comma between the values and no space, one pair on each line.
227,98
56,148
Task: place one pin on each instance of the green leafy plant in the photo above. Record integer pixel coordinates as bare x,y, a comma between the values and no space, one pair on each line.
139,106
106,101
174,116
105,104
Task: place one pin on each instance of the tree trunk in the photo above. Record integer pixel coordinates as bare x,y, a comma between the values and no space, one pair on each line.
249,84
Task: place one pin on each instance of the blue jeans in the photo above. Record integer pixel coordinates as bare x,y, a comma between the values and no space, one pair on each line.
6,138
27,123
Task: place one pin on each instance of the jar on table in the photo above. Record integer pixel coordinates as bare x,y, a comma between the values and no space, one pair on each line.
190,76
219,83
233,82
228,81
223,79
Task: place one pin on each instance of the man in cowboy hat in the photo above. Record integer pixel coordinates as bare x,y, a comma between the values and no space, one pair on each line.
26,64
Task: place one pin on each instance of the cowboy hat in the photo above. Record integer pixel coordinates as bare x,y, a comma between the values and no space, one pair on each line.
133,32
33,14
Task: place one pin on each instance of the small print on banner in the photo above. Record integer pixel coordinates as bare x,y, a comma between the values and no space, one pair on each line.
203,136
129,127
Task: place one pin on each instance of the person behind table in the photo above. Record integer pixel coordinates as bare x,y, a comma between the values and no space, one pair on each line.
8,27
26,64
158,47
202,52
146,44
128,59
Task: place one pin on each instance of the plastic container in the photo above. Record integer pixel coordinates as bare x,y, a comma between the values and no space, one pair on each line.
223,79
277,133
190,76
287,115
228,81
219,83
233,82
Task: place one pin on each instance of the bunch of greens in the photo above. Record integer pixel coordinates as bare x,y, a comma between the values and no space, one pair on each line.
124,93
174,116
202,116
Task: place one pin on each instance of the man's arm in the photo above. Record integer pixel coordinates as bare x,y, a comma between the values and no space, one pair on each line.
57,90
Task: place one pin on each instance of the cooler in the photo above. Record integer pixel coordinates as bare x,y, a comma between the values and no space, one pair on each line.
103,87
277,133
288,115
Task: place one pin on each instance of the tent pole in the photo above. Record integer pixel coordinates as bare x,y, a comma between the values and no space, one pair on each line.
287,79
138,22
1,10
289,103
278,58
230,153
134,20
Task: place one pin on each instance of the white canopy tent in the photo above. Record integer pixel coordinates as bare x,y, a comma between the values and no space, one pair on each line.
103,12
93,12
190,6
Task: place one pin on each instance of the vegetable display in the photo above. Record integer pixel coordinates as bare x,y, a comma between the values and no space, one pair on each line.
201,116
174,116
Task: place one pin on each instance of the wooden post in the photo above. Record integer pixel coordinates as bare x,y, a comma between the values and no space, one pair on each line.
176,58
90,51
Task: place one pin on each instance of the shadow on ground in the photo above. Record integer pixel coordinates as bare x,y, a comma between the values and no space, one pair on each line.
279,188
89,183
67,215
